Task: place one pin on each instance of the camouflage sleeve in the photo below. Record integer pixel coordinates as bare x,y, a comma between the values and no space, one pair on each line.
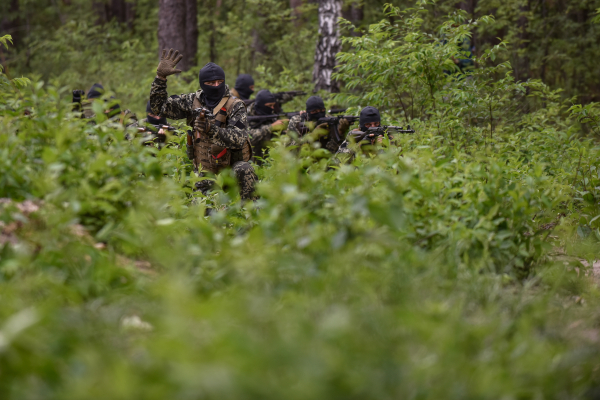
332,145
285,98
259,135
234,135
294,126
174,107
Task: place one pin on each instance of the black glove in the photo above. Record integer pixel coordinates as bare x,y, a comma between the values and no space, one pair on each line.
190,152
77,95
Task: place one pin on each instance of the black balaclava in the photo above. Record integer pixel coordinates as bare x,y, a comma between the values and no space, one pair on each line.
96,91
263,97
368,114
242,85
152,120
212,94
315,103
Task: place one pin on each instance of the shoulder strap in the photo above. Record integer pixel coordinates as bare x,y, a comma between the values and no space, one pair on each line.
196,103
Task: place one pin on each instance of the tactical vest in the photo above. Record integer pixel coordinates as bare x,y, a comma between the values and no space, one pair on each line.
212,157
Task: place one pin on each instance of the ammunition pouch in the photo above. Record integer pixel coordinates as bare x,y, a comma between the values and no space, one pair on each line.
214,158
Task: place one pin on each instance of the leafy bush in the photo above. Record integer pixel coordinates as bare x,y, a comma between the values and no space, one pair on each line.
420,271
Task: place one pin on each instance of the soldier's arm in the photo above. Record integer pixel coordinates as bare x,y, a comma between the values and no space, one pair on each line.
294,126
235,133
332,145
259,135
174,107
284,98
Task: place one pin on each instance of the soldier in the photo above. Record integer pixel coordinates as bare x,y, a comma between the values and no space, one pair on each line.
153,119
219,142
261,132
85,105
303,128
244,87
369,118
151,126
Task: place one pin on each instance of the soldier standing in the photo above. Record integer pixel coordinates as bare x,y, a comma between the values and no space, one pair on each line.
219,142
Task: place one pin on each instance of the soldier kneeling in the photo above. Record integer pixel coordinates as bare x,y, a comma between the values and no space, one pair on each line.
219,142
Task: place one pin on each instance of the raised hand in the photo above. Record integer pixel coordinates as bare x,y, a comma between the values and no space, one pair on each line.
167,63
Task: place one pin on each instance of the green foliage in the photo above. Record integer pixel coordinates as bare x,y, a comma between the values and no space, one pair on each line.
422,270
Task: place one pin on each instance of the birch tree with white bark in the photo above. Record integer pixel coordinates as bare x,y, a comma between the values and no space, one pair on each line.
328,45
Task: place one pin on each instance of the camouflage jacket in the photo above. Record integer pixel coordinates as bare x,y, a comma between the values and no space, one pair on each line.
300,130
260,132
233,136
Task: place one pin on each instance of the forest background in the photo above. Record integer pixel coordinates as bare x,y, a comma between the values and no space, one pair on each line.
456,263
78,42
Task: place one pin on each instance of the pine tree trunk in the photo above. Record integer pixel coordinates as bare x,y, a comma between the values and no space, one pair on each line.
328,45
172,28
191,32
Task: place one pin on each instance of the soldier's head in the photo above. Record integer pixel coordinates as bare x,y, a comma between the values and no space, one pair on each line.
265,103
212,82
95,92
369,118
244,84
315,108
153,118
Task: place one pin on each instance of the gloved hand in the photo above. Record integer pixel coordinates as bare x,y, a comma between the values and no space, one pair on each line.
320,131
167,63
190,151
343,127
201,124
77,95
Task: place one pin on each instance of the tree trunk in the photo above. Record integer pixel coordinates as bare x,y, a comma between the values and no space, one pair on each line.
172,28
258,47
354,12
99,8
10,23
522,66
296,13
328,45
191,32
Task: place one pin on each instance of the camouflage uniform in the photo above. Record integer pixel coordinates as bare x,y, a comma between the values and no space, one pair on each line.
233,136
299,130
260,134
366,147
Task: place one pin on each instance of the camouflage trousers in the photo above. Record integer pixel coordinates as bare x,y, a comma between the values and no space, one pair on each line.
246,177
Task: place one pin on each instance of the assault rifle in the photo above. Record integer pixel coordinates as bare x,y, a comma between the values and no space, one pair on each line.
375,132
337,111
271,117
207,113
333,123
279,96
154,129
